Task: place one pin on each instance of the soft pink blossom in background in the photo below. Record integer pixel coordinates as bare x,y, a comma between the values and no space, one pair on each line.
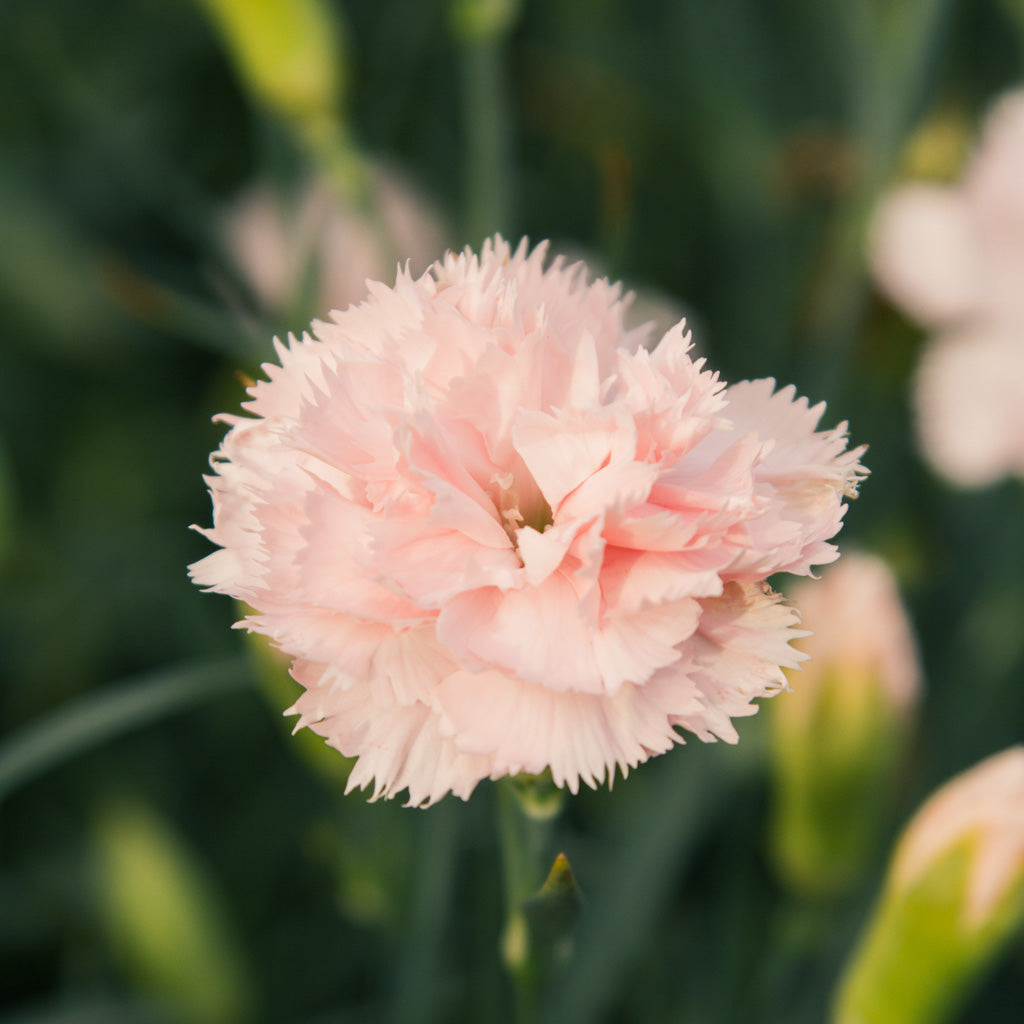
497,534
276,243
953,258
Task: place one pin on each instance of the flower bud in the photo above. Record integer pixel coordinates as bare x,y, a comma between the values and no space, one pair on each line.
290,56
839,738
953,896
165,920
937,149
483,20
286,51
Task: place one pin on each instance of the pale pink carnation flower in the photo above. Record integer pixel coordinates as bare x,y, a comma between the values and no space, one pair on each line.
953,258
499,535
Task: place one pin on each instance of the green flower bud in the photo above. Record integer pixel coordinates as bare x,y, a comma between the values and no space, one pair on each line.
164,919
953,896
483,20
287,53
839,738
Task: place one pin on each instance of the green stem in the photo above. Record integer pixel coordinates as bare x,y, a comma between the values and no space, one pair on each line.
888,53
329,143
487,144
416,978
526,813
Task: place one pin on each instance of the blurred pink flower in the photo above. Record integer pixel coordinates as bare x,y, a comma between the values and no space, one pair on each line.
498,535
275,246
953,258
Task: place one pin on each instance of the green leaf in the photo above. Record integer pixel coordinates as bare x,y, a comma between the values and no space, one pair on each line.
95,718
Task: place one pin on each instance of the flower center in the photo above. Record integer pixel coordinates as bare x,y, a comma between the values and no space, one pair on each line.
514,512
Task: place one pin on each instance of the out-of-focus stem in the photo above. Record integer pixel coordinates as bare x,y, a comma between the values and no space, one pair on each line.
415,993
481,27
487,178
343,166
888,53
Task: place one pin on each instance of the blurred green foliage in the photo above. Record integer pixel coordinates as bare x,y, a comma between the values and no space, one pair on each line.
723,153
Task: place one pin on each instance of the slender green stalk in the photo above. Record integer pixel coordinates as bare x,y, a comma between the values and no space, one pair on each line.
527,809
481,27
656,841
415,993
889,49
487,147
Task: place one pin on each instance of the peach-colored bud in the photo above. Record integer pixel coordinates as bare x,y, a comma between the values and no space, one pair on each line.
840,737
954,896
859,630
987,803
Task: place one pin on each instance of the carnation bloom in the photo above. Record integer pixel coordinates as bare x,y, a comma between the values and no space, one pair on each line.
499,535
953,258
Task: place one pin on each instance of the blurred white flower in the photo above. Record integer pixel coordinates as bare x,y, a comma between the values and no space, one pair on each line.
952,257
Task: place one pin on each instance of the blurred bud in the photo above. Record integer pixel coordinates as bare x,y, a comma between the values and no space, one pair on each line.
538,937
838,740
288,53
953,897
537,796
938,148
328,247
483,20
552,911
165,920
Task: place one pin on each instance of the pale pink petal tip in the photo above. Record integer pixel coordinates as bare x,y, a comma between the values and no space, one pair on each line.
497,534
